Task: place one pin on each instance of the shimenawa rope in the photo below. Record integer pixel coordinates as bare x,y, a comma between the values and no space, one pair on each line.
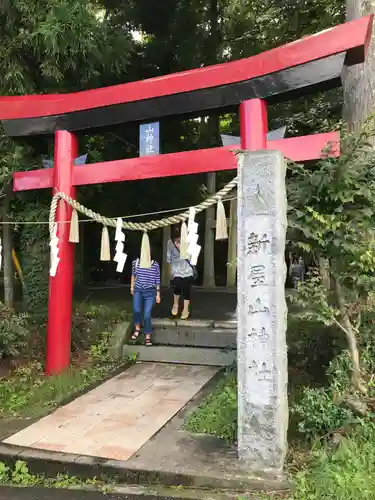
135,226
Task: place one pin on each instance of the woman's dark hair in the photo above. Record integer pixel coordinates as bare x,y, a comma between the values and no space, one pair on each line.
175,233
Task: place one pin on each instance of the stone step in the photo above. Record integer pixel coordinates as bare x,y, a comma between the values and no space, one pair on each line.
183,335
229,324
195,333
181,355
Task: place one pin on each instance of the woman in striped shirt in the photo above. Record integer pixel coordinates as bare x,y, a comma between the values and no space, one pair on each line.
145,288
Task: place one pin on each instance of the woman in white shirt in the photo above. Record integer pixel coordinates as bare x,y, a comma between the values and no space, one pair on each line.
183,274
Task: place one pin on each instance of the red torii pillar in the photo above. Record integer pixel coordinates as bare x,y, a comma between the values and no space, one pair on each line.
253,124
61,285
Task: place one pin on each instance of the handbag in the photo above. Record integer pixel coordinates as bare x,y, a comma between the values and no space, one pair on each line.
194,269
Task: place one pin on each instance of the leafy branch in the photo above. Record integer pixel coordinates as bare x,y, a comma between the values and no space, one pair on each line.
331,213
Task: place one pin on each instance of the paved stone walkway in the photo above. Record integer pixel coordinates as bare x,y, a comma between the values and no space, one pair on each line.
114,420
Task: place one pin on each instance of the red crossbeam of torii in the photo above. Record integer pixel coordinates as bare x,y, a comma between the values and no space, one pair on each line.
190,162
312,64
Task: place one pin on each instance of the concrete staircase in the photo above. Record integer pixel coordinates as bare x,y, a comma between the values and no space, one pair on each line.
196,342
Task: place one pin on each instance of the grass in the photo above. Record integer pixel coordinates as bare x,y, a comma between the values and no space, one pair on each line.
27,392
346,472
217,415
19,475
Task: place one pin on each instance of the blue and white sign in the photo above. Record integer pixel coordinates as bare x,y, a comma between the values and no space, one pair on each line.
149,139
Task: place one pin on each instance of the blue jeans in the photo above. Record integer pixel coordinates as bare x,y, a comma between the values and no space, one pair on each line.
144,299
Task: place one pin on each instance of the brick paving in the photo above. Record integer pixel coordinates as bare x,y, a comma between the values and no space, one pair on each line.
117,418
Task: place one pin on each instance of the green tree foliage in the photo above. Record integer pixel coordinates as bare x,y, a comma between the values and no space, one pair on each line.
249,29
332,212
57,45
265,24
13,332
51,46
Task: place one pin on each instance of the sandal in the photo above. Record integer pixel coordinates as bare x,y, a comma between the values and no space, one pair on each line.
136,334
185,316
174,312
148,342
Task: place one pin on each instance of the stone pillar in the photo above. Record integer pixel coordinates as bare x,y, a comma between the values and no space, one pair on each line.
262,311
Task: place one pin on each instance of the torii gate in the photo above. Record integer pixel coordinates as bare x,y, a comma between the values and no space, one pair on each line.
312,64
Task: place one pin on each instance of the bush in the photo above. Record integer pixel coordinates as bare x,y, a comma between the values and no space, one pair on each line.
89,321
13,331
311,348
320,411
34,240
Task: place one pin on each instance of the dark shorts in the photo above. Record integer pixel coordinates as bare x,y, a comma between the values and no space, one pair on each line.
182,286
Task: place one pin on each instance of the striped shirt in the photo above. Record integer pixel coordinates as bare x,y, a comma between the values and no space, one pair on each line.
146,278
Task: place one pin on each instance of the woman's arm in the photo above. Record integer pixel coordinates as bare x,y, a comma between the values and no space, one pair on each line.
157,283
132,280
169,252
157,277
169,258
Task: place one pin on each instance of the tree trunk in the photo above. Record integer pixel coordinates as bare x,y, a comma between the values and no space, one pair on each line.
359,80
209,240
324,272
7,254
351,336
8,266
232,246
82,249
359,104
165,272
213,131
